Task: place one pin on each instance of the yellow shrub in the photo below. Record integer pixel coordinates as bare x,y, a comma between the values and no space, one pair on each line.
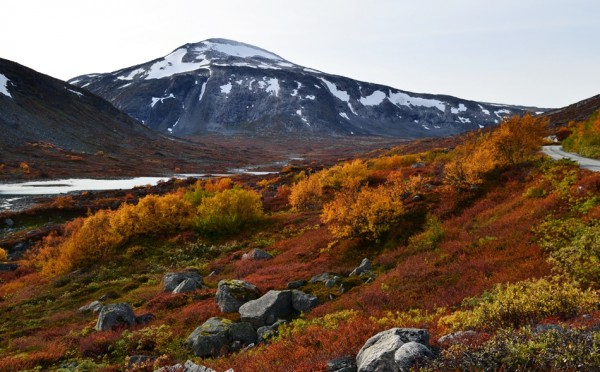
344,174
394,161
307,193
3,254
228,211
525,302
365,213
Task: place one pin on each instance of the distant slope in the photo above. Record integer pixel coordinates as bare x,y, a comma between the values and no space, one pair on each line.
578,111
229,87
61,130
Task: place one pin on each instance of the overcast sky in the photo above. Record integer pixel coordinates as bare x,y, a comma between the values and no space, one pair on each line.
532,52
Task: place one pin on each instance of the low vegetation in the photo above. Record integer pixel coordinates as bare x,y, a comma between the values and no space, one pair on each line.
487,236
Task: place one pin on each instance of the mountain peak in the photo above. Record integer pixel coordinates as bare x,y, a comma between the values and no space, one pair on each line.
231,48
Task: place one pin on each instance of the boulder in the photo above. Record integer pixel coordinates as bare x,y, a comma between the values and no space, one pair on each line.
256,254
93,307
266,332
377,354
322,278
115,315
343,364
189,366
296,284
303,302
217,336
145,318
231,294
9,222
172,280
188,285
267,309
410,354
364,267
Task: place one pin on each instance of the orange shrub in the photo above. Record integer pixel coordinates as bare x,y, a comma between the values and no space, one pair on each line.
307,194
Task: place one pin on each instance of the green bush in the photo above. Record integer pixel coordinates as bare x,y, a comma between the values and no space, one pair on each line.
522,303
228,211
430,237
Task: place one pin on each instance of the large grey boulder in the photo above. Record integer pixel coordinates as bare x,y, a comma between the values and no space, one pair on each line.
233,293
217,336
303,302
256,254
188,285
115,315
363,268
172,280
411,353
267,309
377,354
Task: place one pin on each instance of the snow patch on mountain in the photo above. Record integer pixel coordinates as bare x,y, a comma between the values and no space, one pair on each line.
202,90
403,99
129,76
173,64
226,88
311,97
344,115
236,49
374,99
4,86
501,113
340,94
75,92
464,120
273,86
155,100
461,108
487,112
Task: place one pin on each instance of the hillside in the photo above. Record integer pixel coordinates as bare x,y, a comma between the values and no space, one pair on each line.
228,87
579,111
303,269
54,129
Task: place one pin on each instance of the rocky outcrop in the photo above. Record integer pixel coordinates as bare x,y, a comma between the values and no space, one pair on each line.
276,305
173,280
115,315
218,336
233,293
364,268
256,254
378,353
188,285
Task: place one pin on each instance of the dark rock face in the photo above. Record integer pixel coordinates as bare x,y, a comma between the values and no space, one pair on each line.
217,336
267,309
229,87
231,294
256,254
115,315
173,280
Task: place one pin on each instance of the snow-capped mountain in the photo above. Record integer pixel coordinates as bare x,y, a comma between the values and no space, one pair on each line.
226,86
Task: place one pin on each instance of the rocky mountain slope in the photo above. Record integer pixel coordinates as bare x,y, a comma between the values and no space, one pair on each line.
228,87
578,111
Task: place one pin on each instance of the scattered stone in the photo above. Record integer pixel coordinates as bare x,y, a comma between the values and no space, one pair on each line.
320,278
115,315
188,285
256,254
189,366
296,284
410,354
377,354
417,197
540,328
93,307
418,165
364,267
217,336
140,360
455,338
303,302
267,309
335,280
9,222
8,267
266,332
145,318
172,280
110,295
343,364
231,294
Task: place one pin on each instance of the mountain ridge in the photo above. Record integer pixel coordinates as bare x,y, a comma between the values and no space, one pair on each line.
225,86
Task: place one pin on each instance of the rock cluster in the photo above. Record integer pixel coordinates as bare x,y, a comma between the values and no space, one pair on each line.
186,281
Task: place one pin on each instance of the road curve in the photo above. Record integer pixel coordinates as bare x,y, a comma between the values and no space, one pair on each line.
556,152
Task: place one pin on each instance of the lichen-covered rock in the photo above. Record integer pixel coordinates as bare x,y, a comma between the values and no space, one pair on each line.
411,353
266,332
303,302
218,336
172,280
233,293
115,315
188,285
363,268
377,354
267,309
256,254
